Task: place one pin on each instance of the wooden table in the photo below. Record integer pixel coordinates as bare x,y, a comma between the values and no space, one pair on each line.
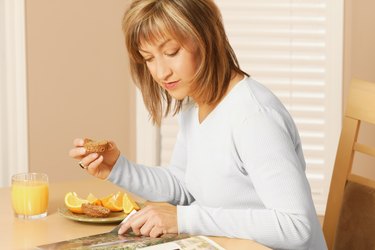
25,234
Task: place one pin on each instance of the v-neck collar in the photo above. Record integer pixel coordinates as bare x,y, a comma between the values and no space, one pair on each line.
218,106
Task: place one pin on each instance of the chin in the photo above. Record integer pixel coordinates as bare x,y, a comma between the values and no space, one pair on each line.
178,97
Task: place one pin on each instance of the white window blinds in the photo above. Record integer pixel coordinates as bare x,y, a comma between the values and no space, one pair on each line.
295,49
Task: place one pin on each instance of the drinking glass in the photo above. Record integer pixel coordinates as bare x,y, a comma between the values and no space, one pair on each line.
30,195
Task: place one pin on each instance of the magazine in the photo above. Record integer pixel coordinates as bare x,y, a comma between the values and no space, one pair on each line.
110,240
130,241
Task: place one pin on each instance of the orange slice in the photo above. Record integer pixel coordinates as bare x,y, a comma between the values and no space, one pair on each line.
106,199
74,203
93,200
113,202
128,204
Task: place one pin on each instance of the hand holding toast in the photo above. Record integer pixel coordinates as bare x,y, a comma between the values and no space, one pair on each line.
98,158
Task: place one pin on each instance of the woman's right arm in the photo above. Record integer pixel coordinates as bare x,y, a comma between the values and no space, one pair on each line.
152,183
155,183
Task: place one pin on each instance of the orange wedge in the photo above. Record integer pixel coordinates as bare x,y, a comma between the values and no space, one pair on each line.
113,202
74,203
105,199
128,204
93,200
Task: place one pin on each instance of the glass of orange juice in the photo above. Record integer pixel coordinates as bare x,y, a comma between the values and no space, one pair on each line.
30,195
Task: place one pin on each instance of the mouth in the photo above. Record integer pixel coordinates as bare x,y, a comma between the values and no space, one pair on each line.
171,85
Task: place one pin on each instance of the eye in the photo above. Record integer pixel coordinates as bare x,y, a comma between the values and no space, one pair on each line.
172,53
148,59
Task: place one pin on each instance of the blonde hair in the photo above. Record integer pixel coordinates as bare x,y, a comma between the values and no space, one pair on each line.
198,20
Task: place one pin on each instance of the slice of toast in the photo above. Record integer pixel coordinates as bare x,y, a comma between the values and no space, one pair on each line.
92,146
95,210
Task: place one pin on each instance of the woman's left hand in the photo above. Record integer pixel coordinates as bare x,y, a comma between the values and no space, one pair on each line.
153,220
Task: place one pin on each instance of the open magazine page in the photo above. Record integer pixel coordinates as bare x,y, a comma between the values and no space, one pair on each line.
111,240
129,241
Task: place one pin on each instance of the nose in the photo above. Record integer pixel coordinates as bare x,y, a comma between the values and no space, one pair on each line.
163,70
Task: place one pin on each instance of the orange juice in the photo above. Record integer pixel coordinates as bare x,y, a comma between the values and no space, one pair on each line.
29,197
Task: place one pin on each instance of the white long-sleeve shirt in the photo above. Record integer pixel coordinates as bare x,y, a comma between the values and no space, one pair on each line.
240,173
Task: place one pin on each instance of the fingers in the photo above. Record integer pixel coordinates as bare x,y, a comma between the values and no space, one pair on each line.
124,228
78,151
96,161
135,222
78,142
156,232
152,221
90,160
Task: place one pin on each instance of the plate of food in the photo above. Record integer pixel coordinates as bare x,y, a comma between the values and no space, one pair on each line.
111,218
110,209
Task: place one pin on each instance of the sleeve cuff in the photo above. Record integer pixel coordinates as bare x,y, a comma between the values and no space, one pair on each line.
185,218
114,174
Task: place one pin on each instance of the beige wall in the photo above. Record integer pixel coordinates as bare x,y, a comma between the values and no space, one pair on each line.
359,62
78,81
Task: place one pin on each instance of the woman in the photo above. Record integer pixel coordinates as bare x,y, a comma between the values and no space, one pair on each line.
237,168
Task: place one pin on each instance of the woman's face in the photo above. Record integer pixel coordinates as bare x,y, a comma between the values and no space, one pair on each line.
171,65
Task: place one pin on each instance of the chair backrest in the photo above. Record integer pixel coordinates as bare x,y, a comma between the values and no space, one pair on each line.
349,221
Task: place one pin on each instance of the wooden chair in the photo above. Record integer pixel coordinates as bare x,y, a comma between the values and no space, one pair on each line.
349,221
